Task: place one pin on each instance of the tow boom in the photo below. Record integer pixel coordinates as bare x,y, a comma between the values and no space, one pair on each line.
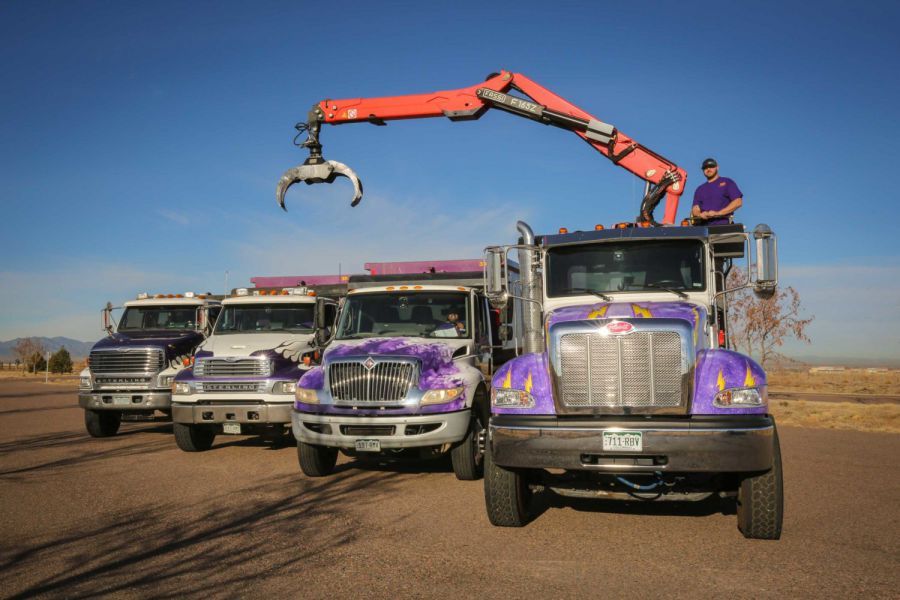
663,176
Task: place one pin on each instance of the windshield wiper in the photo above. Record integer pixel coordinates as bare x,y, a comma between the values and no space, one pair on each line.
679,293
600,295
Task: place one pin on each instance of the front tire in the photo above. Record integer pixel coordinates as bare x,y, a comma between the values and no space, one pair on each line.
467,459
193,438
506,495
102,423
760,502
316,461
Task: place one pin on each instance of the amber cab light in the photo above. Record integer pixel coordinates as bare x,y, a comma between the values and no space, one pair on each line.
598,227
685,222
563,230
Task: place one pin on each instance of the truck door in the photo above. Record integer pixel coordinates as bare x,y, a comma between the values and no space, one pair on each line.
483,335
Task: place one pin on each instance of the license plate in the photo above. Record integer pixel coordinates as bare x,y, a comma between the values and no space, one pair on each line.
122,400
368,445
623,441
234,428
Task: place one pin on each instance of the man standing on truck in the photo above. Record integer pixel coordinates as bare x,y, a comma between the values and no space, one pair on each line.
716,201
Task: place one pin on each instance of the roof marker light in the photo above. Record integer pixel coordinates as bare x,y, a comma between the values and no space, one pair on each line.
598,227
563,230
143,296
685,222
241,292
189,294
645,224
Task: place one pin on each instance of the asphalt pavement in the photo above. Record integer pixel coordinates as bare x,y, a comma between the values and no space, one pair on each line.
134,516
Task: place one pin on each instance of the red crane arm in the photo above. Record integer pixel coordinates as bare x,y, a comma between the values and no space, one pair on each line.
472,102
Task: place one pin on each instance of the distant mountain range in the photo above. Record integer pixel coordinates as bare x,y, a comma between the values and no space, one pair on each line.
76,348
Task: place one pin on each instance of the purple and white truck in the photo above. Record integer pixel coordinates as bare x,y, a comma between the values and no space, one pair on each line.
626,389
244,375
408,369
130,372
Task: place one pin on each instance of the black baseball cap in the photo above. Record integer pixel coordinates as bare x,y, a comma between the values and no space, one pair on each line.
709,162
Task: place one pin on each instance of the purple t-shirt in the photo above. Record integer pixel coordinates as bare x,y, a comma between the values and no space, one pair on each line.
716,195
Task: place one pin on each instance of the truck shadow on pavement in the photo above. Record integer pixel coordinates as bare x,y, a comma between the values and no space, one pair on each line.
226,544
701,508
78,448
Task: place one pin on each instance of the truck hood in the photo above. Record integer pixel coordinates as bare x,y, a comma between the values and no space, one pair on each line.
284,348
176,346
436,357
686,311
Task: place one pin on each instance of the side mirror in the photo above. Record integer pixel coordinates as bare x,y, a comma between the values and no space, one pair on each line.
106,321
494,280
766,278
200,319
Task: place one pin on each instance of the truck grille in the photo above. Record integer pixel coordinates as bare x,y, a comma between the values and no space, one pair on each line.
384,382
243,367
639,370
231,386
143,360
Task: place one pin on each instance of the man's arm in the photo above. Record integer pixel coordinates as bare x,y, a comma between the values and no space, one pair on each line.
732,206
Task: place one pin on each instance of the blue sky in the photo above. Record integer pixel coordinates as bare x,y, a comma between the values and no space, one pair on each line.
140,143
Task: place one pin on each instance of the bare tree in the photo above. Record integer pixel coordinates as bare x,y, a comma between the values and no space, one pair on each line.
29,351
759,326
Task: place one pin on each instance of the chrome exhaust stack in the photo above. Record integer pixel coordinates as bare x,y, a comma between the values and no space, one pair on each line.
530,281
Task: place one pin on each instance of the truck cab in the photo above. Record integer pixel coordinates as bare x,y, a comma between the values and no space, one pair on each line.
244,375
130,372
628,389
408,368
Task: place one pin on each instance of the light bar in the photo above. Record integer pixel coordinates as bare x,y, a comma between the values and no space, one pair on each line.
465,265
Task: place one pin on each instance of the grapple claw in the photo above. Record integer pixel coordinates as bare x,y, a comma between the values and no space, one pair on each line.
318,171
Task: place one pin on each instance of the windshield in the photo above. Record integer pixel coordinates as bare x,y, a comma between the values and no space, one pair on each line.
637,266
243,318
417,314
136,318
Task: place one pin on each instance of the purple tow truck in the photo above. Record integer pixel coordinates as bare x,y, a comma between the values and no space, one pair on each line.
244,375
408,369
626,389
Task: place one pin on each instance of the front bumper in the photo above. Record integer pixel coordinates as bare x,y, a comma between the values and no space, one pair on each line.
125,400
339,431
232,412
691,445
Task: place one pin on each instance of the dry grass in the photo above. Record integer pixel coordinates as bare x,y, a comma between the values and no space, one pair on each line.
851,381
837,415
70,379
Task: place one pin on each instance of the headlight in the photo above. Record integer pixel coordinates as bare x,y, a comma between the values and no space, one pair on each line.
85,383
306,396
507,398
284,387
166,380
181,388
739,398
441,396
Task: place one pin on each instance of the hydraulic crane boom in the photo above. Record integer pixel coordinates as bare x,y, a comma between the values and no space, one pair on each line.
662,175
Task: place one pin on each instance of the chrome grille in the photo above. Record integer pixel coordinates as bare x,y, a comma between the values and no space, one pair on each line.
231,386
639,370
142,360
242,367
385,382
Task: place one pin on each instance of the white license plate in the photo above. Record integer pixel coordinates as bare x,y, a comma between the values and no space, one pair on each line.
368,445
122,400
234,428
623,441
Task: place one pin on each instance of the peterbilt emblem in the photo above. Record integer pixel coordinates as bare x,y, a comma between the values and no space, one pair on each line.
369,364
619,327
